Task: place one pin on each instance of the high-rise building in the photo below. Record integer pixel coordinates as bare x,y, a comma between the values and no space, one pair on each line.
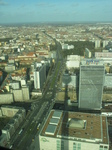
91,83
39,75
87,53
64,130
105,43
97,43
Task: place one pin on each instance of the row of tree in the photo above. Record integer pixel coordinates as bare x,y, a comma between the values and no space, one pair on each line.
79,47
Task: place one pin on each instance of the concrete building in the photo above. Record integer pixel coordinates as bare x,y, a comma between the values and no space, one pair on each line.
66,46
18,95
97,43
22,94
26,93
73,61
39,75
74,131
9,111
10,67
18,114
91,83
108,81
105,43
6,98
103,55
87,53
15,85
23,82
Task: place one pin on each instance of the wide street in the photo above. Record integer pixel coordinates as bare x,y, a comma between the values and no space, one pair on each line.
28,138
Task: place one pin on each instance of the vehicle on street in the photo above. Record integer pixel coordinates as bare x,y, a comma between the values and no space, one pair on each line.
38,126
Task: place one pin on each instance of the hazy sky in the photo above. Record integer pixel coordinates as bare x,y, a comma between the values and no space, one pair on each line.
18,11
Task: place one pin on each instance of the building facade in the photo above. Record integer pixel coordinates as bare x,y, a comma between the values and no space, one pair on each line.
87,53
91,83
74,131
39,76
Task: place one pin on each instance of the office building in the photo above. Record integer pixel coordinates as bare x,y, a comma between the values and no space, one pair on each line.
39,75
10,68
74,131
73,61
105,43
103,55
91,83
87,53
97,43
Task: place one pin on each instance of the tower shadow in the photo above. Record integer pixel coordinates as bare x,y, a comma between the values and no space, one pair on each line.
65,127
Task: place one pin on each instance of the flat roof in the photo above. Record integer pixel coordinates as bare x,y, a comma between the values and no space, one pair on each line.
50,129
54,121
93,127
57,114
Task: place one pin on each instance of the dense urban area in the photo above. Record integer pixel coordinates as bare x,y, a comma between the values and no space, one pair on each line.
56,86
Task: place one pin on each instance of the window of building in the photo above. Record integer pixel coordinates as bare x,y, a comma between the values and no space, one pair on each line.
101,147
62,145
58,145
76,146
105,148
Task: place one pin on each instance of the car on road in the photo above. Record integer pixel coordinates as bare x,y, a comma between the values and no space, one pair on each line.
38,126
20,131
10,147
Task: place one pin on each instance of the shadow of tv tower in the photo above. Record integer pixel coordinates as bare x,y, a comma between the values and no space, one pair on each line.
66,80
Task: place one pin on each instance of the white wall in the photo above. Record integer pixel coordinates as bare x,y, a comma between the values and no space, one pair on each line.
47,143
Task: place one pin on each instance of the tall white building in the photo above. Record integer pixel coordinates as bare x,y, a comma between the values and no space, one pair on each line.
39,75
74,131
105,43
91,81
87,53
97,43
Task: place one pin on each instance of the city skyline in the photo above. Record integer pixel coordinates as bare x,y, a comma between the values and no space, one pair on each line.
55,11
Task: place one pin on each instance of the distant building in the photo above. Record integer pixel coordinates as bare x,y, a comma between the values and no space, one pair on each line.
23,82
105,43
87,53
52,54
73,61
97,43
26,93
103,55
108,81
6,98
64,130
15,85
21,94
66,46
109,46
39,75
91,83
10,67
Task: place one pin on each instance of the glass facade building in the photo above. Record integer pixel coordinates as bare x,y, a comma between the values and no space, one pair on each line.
91,83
